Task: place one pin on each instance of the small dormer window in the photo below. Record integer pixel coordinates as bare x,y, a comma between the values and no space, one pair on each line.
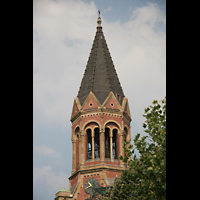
118,96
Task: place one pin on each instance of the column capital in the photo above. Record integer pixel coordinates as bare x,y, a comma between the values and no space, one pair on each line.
81,133
121,133
101,131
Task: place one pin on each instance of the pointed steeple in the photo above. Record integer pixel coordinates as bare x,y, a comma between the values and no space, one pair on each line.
100,75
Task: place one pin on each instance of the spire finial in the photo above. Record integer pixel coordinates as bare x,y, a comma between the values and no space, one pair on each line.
99,13
99,20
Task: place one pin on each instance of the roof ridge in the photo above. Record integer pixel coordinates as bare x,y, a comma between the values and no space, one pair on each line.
95,57
63,190
105,61
113,64
88,62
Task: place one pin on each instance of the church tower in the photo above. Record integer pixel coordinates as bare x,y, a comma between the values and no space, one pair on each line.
100,123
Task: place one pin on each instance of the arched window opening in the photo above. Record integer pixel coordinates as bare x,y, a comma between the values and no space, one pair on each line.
107,143
96,143
114,144
77,132
89,144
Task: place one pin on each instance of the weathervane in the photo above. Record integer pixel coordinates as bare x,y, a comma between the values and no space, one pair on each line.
99,13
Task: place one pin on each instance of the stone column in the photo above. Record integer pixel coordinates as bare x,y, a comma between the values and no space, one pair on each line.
121,146
111,147
92,145
74,156
102,146
81,149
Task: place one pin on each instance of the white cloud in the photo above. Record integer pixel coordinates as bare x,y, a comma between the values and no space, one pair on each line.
53,181
56,61
108,9
138,50
148,14
63,34
46,151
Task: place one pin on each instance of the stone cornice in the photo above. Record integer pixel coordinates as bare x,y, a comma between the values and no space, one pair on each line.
95,112
96,168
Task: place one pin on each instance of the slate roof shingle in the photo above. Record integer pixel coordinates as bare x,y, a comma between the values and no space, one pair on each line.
100,75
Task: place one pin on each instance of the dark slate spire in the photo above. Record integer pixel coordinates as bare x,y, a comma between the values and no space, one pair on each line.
100,75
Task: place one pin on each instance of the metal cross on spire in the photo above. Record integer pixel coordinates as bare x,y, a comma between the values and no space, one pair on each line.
99,20
99,13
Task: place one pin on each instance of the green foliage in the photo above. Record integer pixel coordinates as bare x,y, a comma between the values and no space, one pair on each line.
145,177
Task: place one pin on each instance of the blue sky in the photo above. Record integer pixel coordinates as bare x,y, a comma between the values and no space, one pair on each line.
63,33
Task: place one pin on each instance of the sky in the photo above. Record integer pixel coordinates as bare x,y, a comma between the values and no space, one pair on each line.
63,33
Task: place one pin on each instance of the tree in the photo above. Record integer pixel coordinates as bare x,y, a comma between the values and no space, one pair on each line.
145,177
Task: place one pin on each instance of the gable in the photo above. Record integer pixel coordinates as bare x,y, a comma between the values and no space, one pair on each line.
125,107
112,102
75,109
91,102
127,110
